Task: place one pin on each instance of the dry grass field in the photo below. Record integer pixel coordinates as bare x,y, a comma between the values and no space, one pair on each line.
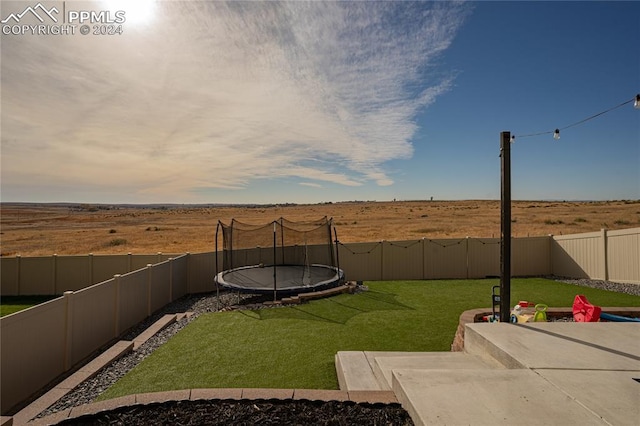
31,230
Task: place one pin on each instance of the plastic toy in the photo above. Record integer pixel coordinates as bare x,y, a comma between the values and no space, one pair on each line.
583,311
541,313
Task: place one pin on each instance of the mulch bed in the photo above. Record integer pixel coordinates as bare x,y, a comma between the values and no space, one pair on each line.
245,412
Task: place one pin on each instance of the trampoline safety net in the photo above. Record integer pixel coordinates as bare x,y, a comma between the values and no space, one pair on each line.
282,255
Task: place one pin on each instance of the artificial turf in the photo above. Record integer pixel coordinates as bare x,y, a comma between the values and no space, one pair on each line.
13,304
294,347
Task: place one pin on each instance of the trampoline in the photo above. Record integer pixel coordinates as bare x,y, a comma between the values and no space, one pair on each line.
281,257
289,278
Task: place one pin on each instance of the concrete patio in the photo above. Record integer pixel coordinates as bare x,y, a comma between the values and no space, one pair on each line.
537,373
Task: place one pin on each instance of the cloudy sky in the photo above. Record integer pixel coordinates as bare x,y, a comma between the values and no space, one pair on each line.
260,102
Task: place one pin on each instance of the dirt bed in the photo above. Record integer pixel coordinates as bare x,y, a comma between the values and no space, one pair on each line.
216,412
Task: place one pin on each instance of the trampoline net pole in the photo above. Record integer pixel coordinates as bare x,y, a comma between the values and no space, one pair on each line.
337,256
282,238
215,278
275,249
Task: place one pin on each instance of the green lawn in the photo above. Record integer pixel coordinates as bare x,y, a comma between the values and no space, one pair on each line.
294,347
11,304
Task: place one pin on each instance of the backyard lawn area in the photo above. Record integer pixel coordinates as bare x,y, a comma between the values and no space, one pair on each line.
11,304
294,347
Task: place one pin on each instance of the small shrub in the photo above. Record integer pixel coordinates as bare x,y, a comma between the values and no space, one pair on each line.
117,242
580,220
622,222
428,230
112,231
553,222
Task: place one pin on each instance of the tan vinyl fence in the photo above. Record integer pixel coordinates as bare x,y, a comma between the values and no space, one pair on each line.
603,255
41,343
436,259
50,275
611,255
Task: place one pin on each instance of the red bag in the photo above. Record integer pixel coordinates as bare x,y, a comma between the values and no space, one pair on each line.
583,311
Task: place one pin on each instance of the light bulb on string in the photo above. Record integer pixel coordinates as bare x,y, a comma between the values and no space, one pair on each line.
513,138
636,104
556,134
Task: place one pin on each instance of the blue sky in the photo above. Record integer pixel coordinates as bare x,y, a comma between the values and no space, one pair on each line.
254,102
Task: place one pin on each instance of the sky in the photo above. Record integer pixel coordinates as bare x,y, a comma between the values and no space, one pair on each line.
307,102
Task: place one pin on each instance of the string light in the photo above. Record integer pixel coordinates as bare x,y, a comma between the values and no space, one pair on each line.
556,132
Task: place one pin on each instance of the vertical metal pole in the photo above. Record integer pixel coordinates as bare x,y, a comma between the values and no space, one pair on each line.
215,278
275,248
505,224
282,239
336,242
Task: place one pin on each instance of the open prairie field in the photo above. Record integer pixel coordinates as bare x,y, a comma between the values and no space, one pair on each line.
41,229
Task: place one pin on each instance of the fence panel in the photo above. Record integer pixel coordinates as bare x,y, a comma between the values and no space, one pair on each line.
37,275
402,260
159,285
32,350
361,261
132,299
180,277
72,273
93,319
139,261
202,270
445,259
484,257
531,256
623,255
578,256
9,273
106,266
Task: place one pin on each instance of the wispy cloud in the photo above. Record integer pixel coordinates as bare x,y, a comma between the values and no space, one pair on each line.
311,184
216,95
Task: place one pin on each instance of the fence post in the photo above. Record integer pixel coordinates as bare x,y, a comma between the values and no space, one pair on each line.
116,308
91,280
550,254
466,256
424,261
158,256
149,289
129,262
54,272
171,279
382,260
68,328
188,272
605,263
18,266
